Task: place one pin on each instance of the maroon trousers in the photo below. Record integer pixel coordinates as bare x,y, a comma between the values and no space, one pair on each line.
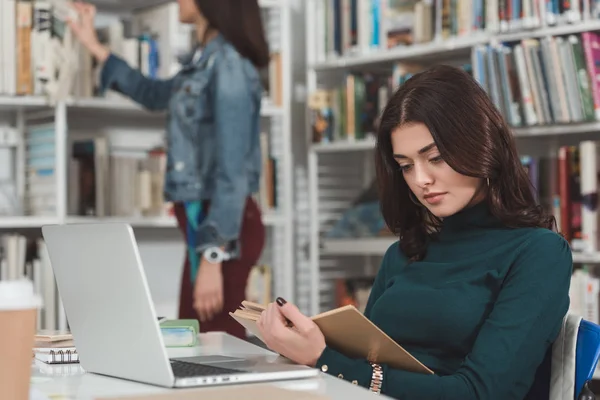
235,272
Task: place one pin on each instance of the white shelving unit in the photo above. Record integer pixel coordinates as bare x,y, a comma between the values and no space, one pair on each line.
73,114
30,105
340,170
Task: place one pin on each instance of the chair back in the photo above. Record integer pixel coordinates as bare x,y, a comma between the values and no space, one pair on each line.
575,354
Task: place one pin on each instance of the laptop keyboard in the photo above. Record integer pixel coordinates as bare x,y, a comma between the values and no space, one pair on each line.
182,369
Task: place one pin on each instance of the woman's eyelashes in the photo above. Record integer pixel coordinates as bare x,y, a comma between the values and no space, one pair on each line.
432,160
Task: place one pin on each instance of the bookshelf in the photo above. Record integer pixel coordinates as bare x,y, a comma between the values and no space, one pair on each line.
340,161
130,131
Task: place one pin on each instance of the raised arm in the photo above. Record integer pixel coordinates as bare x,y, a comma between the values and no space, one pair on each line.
511,343
116,74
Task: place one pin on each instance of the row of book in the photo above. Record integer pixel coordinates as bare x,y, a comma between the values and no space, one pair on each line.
346,27
99,183
31,41
566,185
104,178
351,111
104,181
39,54
543,81
584,294
553,80
40,170
353,291
22,256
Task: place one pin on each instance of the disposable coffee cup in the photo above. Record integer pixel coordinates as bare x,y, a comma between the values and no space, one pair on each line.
18,313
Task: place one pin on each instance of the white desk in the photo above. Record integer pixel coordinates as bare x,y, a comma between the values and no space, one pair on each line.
70,382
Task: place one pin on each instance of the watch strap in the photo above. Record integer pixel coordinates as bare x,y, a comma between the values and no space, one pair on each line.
376,378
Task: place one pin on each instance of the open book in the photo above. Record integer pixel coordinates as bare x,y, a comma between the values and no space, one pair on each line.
348,331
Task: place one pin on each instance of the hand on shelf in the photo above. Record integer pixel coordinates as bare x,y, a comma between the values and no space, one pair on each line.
84,30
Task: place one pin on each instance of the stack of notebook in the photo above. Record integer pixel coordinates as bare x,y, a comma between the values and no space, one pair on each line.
55,347
347,330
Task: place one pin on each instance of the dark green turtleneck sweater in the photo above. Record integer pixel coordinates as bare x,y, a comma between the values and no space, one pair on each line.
481,310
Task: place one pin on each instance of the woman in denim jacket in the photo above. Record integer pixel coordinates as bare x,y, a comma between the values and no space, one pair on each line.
213,160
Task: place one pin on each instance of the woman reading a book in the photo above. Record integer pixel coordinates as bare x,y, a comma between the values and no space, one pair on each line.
213,155
477,287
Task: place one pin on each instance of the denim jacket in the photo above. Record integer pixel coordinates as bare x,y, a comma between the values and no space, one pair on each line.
213,123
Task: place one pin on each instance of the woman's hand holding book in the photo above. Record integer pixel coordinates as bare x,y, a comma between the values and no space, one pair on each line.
290,333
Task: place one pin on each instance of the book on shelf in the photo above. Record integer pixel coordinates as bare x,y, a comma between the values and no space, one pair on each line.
552,80
355,27
353,291
258,287
583,294
351,111
347,330
40,172
104,182
23,257
266,197
39,54
108,179
533,82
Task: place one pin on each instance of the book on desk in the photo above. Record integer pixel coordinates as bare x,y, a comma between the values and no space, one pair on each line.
55,347
58,347
56,355
347,330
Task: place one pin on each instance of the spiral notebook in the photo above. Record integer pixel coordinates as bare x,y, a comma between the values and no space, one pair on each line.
65,355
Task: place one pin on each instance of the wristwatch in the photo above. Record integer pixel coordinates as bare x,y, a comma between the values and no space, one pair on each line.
215,255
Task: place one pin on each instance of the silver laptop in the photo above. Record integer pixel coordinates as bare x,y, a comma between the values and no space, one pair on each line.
107,301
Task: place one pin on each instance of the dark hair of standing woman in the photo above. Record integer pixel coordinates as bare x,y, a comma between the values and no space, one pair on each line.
240,23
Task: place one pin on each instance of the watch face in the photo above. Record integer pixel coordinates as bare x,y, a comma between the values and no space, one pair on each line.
213,255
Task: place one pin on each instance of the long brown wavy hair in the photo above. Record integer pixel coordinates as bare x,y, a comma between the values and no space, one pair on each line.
473,139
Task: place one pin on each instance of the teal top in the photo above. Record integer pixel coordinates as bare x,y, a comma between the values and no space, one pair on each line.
481,310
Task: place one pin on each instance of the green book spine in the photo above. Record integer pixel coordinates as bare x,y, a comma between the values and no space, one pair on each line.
583,78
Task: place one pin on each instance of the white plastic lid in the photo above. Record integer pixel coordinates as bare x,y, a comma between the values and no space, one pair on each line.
18,295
